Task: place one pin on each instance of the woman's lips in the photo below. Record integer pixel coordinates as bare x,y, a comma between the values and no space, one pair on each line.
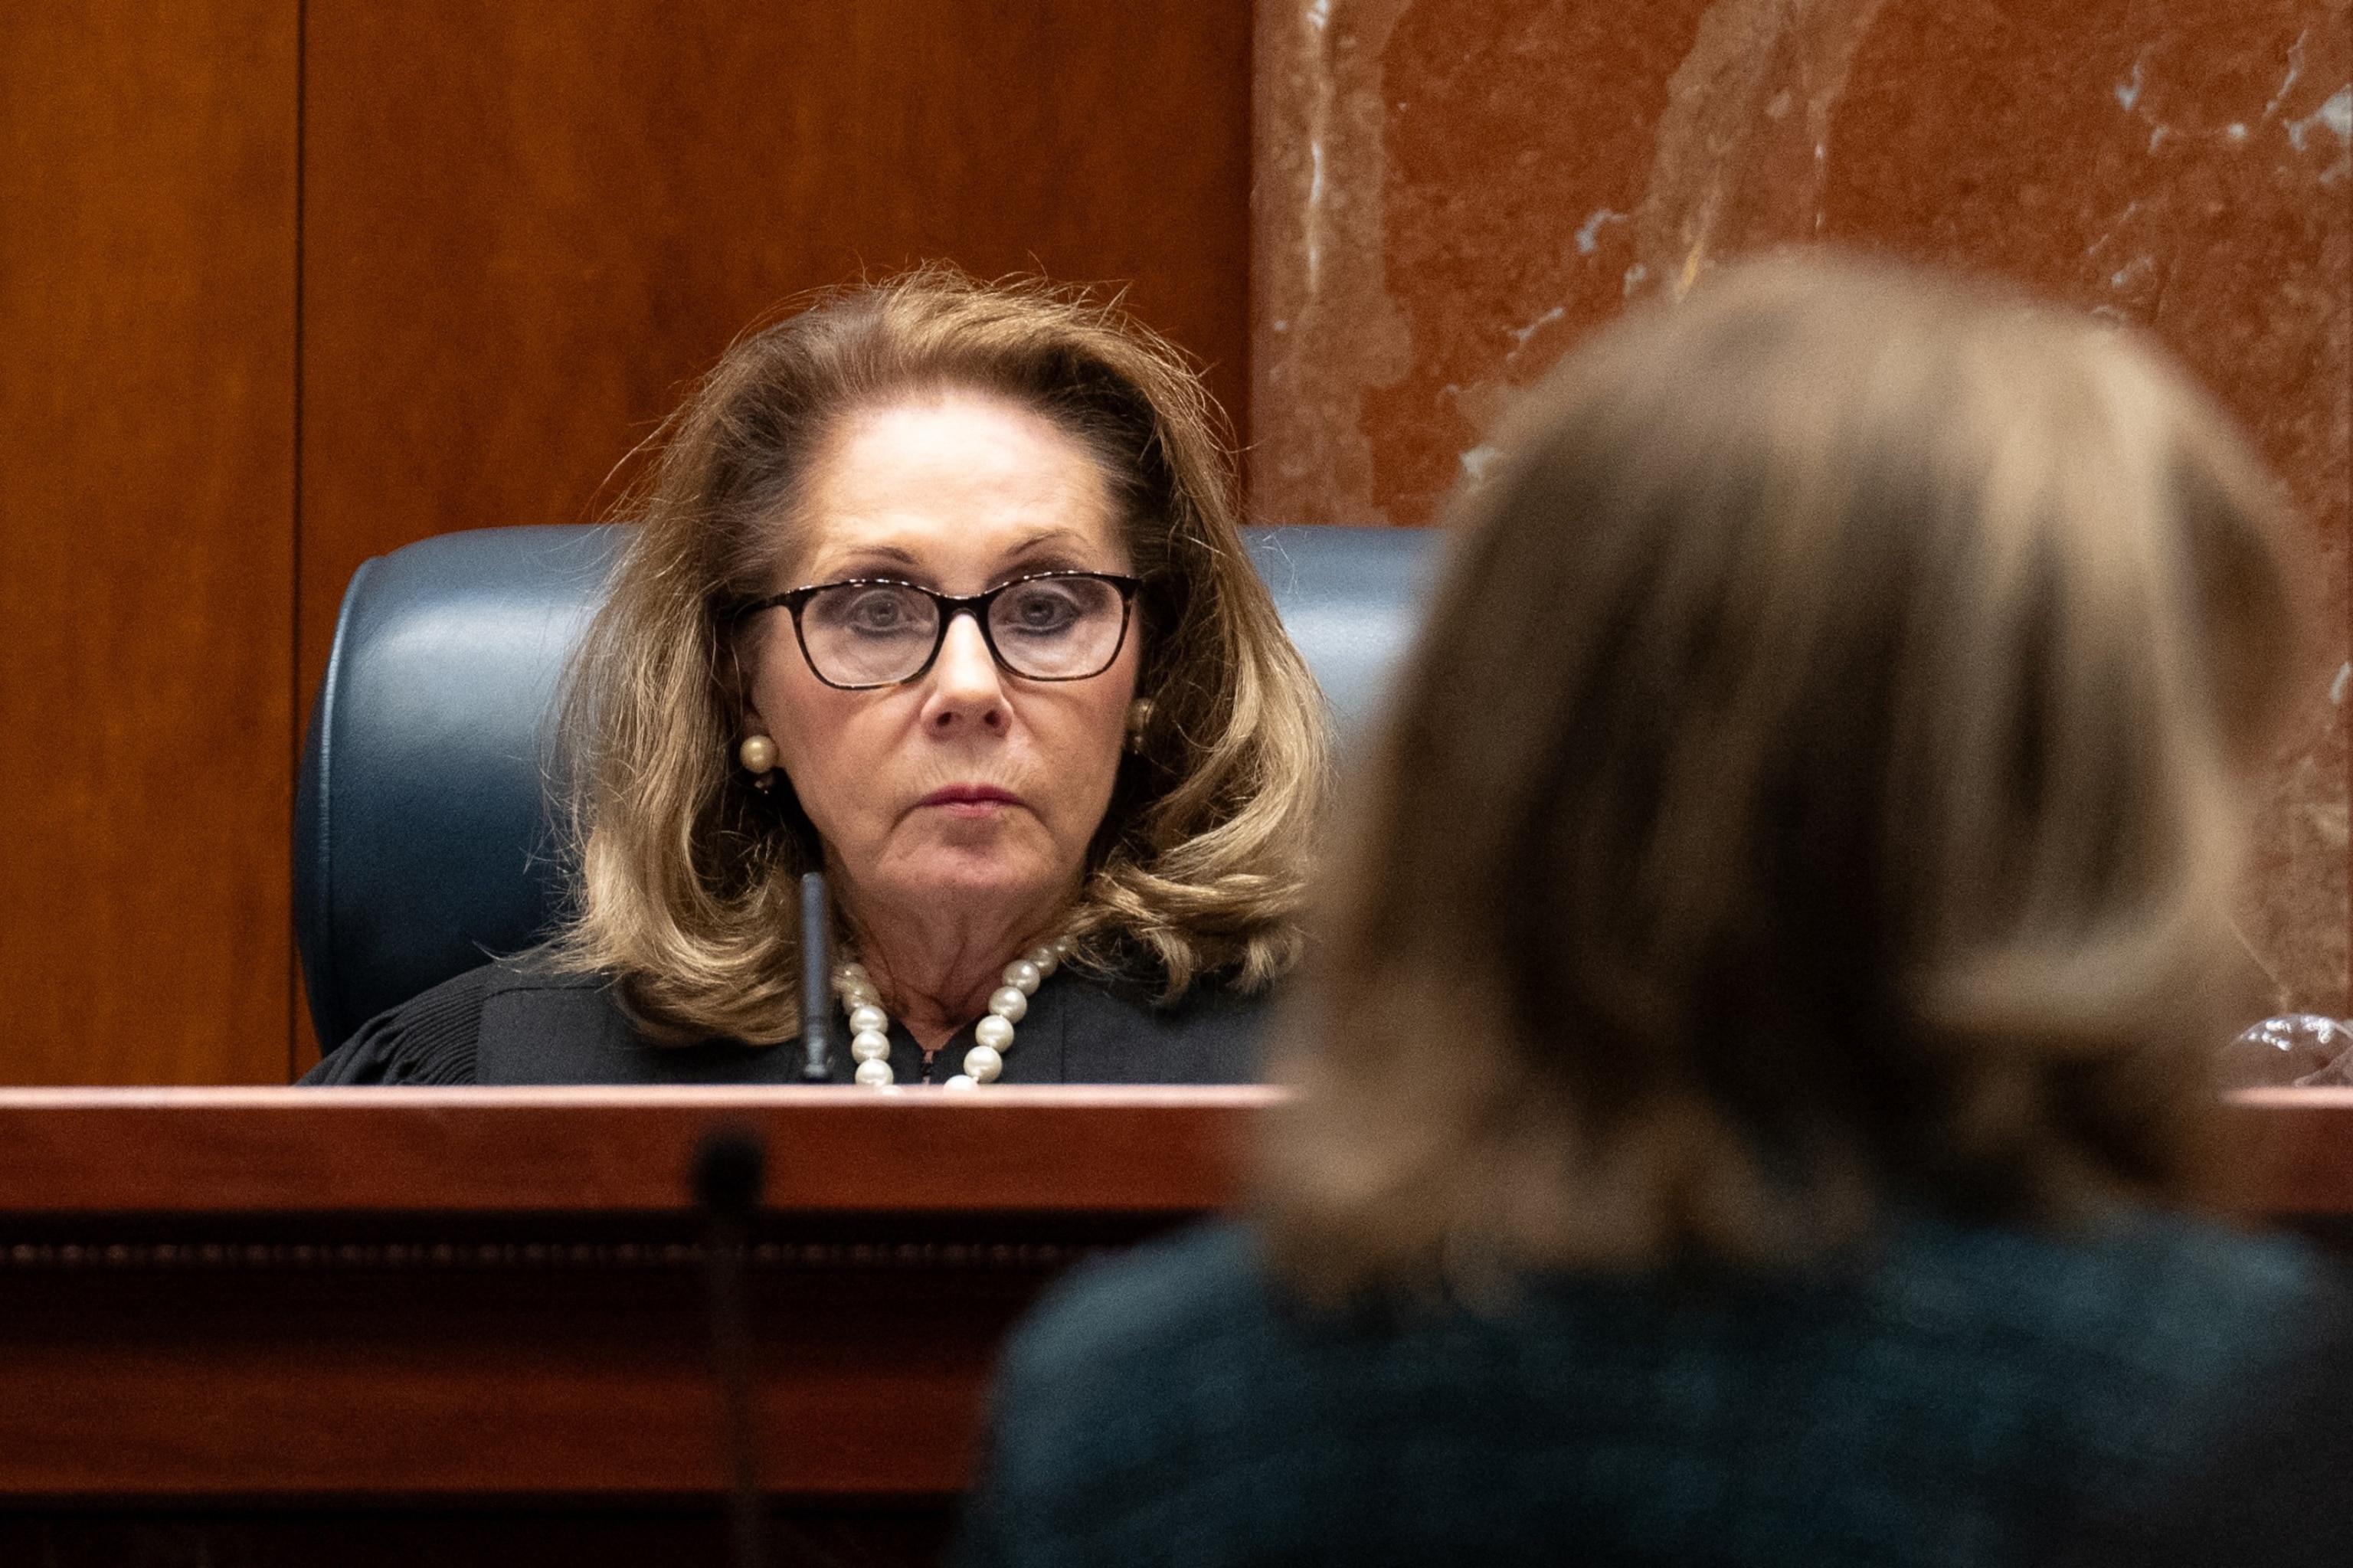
970,800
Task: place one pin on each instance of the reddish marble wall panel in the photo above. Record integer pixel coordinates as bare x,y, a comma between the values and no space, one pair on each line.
1450,192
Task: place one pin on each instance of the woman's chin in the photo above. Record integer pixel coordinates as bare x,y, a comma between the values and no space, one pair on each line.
970,876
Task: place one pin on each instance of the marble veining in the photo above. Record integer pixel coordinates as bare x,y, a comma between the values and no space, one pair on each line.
1319,284
1450,193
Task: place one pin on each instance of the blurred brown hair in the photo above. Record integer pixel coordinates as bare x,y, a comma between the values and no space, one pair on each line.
687,876
1814,790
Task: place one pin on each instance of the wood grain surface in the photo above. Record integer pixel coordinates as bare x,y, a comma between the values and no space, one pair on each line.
341,1294
467,1381
147,307
279,1151
292,1151
270,1297
2293,1149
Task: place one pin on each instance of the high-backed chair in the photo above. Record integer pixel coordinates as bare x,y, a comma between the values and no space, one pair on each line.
422,841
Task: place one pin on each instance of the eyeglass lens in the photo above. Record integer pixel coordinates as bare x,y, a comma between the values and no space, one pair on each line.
1049,629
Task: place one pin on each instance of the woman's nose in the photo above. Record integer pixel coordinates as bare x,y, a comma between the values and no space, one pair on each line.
965,687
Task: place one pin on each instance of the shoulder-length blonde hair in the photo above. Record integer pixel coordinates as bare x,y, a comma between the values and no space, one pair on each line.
687,876
1815,790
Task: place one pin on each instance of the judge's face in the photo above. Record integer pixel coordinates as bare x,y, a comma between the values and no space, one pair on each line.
967,785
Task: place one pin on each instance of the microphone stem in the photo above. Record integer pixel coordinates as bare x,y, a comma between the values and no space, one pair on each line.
817,981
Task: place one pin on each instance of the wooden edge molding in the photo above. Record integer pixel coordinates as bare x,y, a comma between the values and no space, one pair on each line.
306,1151
2291,1150
205,1257
1146,1151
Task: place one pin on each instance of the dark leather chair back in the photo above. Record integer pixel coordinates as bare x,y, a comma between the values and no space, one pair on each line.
422,841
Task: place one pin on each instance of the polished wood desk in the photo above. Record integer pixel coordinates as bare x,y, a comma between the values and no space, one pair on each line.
414,1292
289,1298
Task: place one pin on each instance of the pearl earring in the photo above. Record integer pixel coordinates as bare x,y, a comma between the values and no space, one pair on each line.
1139,716
758,756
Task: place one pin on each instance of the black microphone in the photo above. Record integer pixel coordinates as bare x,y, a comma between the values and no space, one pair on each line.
817,981
730,1166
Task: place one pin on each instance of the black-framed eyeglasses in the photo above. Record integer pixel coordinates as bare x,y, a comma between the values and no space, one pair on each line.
867,632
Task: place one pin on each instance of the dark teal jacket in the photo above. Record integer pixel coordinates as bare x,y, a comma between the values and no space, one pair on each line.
1959,1397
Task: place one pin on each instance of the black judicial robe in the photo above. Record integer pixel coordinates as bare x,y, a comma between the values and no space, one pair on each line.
511,1023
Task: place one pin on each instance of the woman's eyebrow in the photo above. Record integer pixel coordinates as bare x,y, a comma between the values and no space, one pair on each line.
879,552
1053,549
1059,538
1060,549
858,559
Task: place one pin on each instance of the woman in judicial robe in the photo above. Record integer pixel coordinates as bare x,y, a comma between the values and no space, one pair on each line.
936,587
1755,1070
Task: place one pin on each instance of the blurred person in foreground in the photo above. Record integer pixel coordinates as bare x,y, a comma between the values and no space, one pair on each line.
1754,1085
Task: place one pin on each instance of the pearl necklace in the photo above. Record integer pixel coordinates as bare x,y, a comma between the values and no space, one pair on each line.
869,1026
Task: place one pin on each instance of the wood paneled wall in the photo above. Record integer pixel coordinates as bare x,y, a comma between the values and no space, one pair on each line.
521,230
148,158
